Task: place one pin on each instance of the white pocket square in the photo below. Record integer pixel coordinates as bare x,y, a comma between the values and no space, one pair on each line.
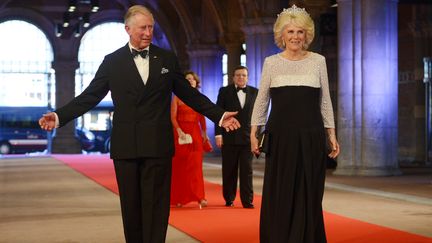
164,70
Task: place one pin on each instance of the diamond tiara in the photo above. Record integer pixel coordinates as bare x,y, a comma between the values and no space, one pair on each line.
293,10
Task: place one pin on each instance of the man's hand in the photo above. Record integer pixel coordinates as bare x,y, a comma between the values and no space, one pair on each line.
229,122
48,121
219,141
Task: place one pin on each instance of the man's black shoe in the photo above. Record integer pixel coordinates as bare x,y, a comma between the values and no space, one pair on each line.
229,204
249,206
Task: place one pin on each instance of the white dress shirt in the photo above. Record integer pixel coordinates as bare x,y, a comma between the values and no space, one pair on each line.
142,64
241,96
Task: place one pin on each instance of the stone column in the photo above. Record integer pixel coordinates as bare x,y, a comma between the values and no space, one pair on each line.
419,143
233,45
259,45
206,61
65,141
368,87
233,53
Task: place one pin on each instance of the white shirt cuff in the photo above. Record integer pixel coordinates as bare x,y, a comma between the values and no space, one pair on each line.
222,118
57,121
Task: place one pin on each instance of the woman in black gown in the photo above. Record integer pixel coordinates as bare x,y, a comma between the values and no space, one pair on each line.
300,124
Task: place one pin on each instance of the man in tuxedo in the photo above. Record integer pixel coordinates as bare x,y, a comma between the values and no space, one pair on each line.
141,78
235,146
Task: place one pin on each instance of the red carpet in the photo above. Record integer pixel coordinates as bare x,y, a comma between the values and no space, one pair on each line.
216,223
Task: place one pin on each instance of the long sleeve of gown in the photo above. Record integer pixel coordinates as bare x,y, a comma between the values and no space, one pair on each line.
260,110
326,104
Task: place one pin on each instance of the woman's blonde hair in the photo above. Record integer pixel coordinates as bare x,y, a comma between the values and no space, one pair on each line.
299,18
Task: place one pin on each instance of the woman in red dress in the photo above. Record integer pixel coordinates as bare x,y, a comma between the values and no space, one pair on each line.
187,183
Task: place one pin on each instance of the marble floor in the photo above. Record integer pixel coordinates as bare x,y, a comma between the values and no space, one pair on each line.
43,200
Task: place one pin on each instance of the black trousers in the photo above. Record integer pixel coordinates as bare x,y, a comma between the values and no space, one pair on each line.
144,189
235,157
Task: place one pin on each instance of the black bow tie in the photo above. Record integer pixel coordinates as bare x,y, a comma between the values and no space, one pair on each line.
238,89
143,53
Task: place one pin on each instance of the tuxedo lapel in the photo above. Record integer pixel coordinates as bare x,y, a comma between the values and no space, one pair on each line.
136,84
235,97
248,97
155,66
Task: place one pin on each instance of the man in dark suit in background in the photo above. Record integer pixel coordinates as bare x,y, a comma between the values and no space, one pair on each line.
141,78
235,146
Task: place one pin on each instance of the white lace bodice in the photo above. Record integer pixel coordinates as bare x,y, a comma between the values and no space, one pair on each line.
278,71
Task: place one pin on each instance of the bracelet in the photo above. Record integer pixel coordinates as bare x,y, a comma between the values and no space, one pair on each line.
331,135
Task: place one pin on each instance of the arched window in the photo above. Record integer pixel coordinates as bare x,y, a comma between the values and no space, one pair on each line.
95,44
99,41
26,77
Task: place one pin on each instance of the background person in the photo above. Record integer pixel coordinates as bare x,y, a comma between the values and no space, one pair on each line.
300,123
141,78
187,181
235,146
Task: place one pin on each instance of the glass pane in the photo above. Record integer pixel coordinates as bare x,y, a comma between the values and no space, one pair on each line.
243,56
95,45
25,70
225,69
243,60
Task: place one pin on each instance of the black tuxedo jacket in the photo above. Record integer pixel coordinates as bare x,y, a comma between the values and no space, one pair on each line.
228,100
141,123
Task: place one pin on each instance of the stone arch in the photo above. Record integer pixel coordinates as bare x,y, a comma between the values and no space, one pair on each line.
33,17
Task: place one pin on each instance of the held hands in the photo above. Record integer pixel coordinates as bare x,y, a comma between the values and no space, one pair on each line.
47,121
229,122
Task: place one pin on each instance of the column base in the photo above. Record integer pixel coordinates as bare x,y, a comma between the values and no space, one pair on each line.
372,171
66,145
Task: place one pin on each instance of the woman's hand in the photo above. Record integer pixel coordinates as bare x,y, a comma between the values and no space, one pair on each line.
254,141
181,134
204,136
254,146
333,143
